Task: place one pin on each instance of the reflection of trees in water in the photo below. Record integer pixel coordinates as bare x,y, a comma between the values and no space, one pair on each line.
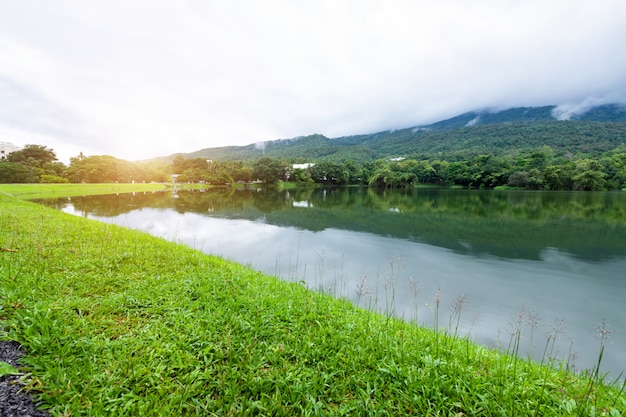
269,200
534,205
510,224
109,205
210,200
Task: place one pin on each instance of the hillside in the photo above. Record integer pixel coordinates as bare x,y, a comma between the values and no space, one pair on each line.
599,129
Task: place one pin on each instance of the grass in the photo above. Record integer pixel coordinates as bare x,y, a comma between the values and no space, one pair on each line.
117,322
32,191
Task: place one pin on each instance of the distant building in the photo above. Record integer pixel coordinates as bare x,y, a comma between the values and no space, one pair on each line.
302,166
6,148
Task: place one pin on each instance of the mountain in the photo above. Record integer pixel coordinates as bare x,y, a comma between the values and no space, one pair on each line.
593,131
477,118
602,113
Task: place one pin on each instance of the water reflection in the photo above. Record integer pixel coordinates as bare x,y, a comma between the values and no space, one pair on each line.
557,254
516,225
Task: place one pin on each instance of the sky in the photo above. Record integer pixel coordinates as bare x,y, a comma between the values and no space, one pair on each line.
138,79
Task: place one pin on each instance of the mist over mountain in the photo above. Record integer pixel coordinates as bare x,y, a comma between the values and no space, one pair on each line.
590,130
603,113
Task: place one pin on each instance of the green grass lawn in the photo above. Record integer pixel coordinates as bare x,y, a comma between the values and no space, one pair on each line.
29,191
32,191
117,322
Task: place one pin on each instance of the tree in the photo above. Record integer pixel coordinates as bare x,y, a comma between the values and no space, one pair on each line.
97,169
518,179
178,164
106,168
458,173
589,181
38,161
589,177
52,179
441,171
330,173
243,174
153,171
12,173
302,176
354,172
559,177
195,174
33,155
269,170
390,176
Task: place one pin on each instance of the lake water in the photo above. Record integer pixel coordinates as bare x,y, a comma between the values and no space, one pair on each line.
555,259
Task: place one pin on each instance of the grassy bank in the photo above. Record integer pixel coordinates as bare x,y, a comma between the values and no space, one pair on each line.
29,191
32,191
117,322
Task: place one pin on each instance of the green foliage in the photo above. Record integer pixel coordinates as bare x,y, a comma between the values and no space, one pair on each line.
332,173
537,170
526,143
7,369
33,155
52,179
526,135
539,152
394,175
301,176
13,172
34,163
604,113
198,170
108,169
269,170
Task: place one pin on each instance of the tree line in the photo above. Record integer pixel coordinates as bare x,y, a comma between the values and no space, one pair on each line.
538,169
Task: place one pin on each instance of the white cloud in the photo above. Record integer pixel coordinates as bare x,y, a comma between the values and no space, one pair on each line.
474,121
148,78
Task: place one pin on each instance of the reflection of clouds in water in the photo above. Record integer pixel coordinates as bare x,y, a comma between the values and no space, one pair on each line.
339,261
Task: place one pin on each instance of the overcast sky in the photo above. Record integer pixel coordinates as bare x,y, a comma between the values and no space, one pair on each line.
138,79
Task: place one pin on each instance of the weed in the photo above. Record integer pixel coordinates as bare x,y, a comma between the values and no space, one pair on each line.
458,306
362,290
602,333
414,289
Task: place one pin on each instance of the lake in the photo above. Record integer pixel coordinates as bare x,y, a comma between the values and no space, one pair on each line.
550,263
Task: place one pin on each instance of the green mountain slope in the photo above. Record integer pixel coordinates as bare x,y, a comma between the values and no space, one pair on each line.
600,129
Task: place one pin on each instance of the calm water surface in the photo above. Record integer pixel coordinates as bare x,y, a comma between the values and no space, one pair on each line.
557,257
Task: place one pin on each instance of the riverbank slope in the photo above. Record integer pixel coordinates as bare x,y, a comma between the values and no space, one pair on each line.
117,322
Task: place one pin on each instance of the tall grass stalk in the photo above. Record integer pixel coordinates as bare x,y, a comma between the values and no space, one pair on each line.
437,301
395,265
548,352
414,289
362,290
458,306
595,378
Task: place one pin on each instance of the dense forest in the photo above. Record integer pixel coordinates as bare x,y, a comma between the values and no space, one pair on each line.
521,148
